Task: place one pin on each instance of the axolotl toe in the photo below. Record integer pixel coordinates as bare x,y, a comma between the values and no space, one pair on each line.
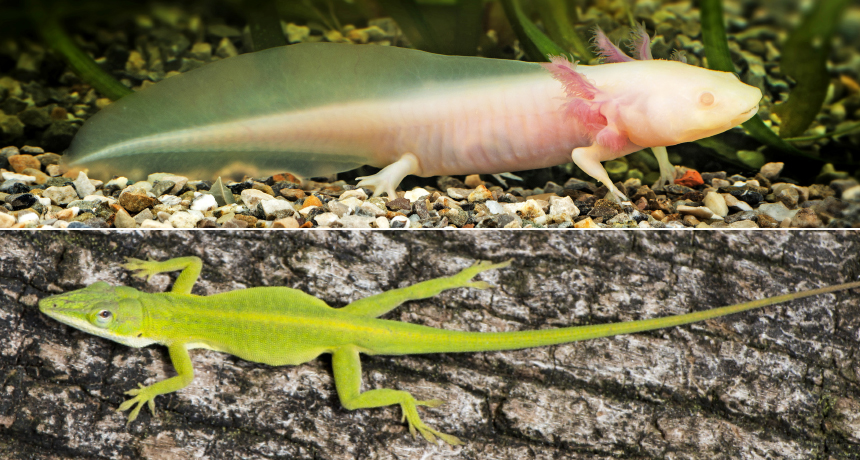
315,109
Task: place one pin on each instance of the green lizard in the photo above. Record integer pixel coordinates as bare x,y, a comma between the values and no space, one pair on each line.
280,325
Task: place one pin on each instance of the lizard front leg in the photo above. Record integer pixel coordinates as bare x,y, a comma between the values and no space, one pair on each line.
382,303
146,394
190,267
347,377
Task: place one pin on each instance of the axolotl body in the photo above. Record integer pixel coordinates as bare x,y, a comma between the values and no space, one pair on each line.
319,108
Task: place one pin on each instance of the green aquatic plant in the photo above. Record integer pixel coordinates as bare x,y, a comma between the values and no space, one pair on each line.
534,42
804,59
817,29
50,28
264,23
719,58
439,26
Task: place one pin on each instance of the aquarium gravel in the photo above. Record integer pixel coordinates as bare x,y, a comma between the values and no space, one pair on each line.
34,196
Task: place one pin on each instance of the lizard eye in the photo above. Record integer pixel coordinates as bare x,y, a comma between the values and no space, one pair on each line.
706,99
104,317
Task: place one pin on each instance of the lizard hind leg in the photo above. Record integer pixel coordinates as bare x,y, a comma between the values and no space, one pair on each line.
347,377
389,178
380,304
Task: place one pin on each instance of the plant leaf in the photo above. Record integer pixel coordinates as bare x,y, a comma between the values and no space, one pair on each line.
719,58
264,23
439,26
82,64
534,42
804,59
556,19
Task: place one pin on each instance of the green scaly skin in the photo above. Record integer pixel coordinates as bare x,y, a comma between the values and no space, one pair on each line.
280,326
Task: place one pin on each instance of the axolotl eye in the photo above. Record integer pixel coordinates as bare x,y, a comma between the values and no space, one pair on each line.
706,99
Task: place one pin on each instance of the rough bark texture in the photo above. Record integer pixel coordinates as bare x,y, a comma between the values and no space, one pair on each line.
778,383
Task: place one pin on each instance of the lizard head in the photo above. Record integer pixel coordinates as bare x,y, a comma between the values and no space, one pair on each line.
684,103
103,310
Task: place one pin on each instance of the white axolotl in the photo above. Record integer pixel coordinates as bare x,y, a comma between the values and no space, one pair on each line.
318,108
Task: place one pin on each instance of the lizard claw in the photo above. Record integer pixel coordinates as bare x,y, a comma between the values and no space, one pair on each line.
141,398
141,268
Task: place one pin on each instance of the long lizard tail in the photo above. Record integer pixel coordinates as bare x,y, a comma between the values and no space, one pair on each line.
429,340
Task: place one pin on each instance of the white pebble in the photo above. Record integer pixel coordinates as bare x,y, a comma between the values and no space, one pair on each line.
273,207
18,177
716,203
356,221
415,194
338,208
494,207
371,209
357,193
170,200
777,210
382,222
83,185
352,202
326,219
27,217
149,223
562,209
204,202
185,219
119,182
251,197
700,212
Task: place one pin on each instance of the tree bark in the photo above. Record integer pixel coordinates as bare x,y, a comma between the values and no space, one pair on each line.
781,382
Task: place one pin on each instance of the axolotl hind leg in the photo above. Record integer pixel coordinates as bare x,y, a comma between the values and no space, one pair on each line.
389,178
588,159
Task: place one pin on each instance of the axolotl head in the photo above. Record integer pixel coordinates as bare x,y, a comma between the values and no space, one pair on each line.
103,310
668,102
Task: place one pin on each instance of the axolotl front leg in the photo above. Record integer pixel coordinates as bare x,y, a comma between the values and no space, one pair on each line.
386,180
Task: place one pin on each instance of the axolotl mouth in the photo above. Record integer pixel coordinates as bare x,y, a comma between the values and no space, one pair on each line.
744,116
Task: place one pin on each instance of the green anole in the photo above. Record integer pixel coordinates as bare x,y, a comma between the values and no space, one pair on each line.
280,326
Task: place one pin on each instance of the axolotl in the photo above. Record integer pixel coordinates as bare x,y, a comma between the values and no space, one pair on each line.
314,109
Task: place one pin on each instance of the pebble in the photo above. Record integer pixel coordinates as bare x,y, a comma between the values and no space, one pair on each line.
326,219
204,202
275,208
61,195
124,220
716,203
83,185
25,178
135,202
287,222
251,197
21,162
778,211
700,212
771,171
